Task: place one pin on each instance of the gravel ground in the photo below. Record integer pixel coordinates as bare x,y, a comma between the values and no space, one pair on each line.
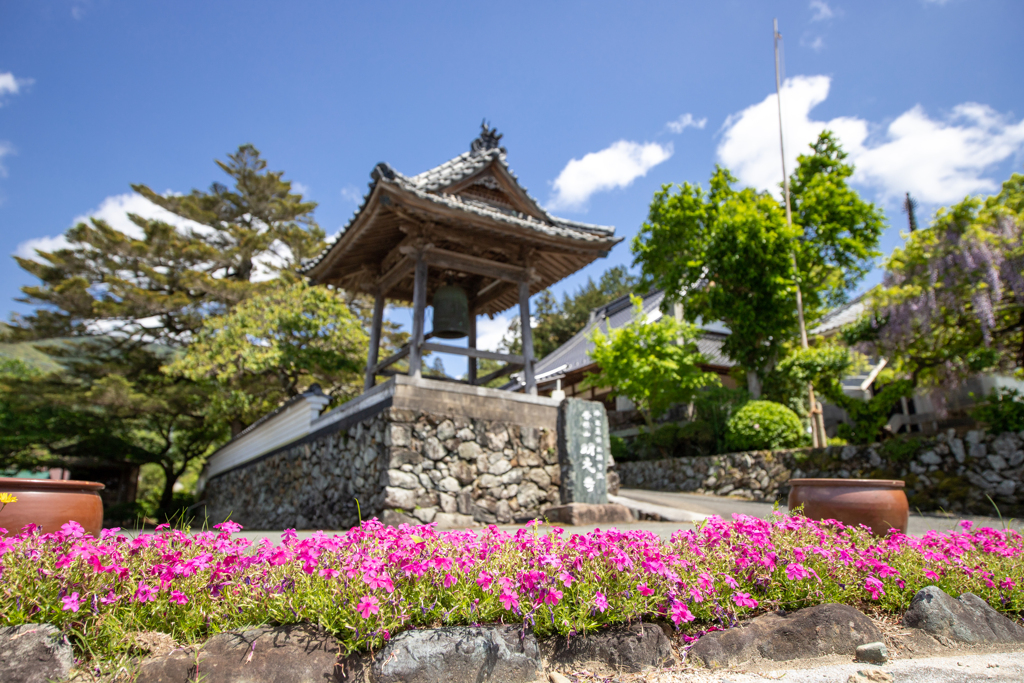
962,669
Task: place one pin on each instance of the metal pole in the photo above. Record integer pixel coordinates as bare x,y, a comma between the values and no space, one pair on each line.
816,438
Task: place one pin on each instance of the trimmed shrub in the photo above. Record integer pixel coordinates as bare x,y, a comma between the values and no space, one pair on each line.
764,425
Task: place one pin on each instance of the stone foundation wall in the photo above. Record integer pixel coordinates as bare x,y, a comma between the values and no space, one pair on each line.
945,473
402,466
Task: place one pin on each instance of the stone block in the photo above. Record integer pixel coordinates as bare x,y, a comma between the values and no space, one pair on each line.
469,450
873,653
403,480
34,653
281,654
434,449
449,484
425,515
397,435
957,447
586,514
968,619
500,467
806,633
448,520
460,655
623,649
447,503
463,471
395,518
996,462
399,498
930,458
445,430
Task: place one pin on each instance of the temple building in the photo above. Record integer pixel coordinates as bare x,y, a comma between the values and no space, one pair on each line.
467,239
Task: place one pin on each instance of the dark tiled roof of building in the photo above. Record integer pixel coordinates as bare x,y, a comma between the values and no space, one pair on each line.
840,317
431,184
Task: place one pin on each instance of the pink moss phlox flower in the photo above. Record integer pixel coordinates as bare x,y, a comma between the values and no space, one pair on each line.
681,613
875,587
730,582
368,605
696,594
327,572
744,600
71,603
600,602
484,580
1007,584
551,596
644,590
110,599
450,580
509,600
178,598
566,578
144,593
73,529
797,572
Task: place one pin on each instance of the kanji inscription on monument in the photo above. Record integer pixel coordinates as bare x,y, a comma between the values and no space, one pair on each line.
583,450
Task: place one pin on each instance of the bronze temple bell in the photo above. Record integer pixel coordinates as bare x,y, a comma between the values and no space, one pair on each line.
451,312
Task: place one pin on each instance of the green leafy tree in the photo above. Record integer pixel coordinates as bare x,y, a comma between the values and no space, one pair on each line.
654,365
839,231
823,366
555,323
126,304
273,346
726,254
952,300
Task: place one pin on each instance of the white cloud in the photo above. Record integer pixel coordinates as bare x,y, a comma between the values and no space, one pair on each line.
352,194
821,10
613,167
5,149
817,44
299,188
115,209
489,333
686,121
27,249
9,85
936,160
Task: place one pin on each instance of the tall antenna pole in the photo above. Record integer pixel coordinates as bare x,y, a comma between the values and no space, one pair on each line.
817,440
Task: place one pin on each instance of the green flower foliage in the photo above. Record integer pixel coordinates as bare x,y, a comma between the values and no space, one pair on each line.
764,425
655,365
274,346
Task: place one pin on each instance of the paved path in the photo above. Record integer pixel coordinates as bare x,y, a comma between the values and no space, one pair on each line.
725,507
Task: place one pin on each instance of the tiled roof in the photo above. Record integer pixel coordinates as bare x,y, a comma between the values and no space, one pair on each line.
844,315
432,183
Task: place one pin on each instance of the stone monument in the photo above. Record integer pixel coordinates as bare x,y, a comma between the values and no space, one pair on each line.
584,455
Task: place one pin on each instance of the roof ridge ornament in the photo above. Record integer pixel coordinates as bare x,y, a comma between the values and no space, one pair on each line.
489,139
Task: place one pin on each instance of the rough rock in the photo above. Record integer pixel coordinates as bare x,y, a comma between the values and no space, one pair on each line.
34,653
460,655
177,666
968,619
870,676
284,654
585,514
873,653
810,632
626,649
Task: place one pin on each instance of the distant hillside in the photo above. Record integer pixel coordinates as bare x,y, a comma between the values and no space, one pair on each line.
28,353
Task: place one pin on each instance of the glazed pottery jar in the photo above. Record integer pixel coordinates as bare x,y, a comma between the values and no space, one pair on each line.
880,504
50,503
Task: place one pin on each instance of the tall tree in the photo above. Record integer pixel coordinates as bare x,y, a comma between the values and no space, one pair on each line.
134,301
952,298
727,254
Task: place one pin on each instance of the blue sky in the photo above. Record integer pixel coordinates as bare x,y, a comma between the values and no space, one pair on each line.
95,95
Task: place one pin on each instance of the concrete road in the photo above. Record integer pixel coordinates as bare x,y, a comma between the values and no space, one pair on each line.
725,507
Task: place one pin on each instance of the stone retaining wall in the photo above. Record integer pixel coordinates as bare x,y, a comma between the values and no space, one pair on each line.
402,466
946,473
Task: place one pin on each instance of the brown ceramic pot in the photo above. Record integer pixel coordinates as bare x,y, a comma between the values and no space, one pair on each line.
879,504
51,503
